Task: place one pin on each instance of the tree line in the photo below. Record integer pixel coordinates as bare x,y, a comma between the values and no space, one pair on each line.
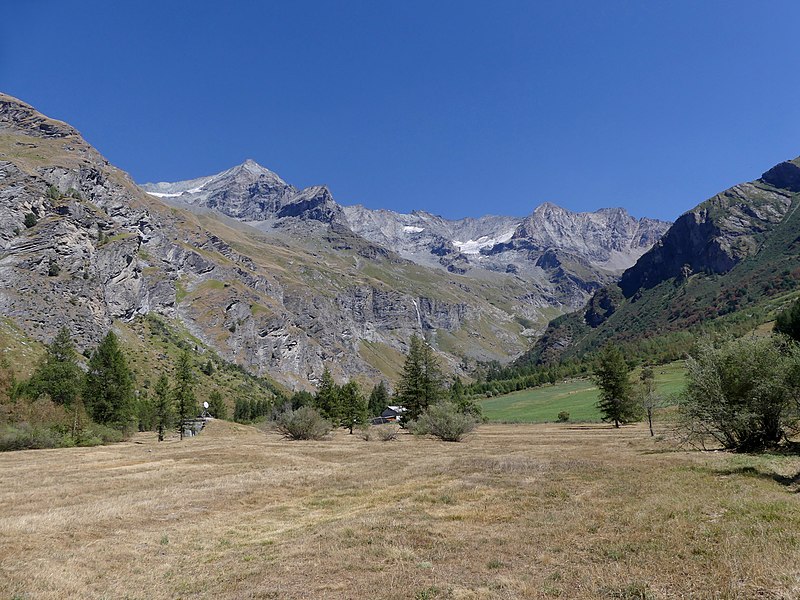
83,405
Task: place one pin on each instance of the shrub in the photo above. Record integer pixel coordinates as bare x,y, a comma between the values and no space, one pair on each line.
305,423
444,421
53,269
383,433
24,436
563,416
743,392
30,220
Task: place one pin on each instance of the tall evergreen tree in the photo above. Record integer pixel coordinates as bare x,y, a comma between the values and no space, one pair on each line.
163,406
108,388
327,400
421,382
185,400
352,406
58,374
788,322
216,405
378,399
611,375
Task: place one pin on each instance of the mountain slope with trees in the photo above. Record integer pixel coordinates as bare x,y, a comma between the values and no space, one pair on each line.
730,263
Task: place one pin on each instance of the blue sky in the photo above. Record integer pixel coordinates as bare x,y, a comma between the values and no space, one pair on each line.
460,108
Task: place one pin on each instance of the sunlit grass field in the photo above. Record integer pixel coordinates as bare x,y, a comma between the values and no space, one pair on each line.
576,396
516,511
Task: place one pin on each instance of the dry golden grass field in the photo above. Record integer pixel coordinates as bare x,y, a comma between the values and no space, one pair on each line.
516,511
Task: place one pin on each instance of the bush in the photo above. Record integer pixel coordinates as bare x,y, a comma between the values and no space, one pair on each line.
383,433
30,220
305,423
743,392
444,421
23,436
563,416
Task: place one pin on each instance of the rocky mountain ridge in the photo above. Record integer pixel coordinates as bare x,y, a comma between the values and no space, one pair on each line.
734,257
275,279
571,253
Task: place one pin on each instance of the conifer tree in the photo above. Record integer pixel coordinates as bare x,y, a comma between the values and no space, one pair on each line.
108,388
327,399
788,322
185,401
216,405
421,382
378,399
58,374
352,406
616,393
163,406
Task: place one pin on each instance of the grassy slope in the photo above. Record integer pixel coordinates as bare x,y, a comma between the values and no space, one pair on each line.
517,511
577,396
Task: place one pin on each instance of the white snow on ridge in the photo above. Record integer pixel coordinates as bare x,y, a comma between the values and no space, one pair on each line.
475,246
412,229
195,190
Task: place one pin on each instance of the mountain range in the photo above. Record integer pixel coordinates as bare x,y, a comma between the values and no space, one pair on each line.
285,281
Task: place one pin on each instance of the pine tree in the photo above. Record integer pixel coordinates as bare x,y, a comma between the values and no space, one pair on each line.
378,400
241,410
788,322
327,399
108,388
216,405
58,375
185,400
421,382
163,406
616,394
352,406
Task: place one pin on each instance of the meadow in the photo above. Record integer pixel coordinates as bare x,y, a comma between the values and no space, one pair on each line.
516,511
576,396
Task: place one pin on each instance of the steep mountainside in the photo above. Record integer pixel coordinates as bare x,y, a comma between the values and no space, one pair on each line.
273,278
562,256
733,258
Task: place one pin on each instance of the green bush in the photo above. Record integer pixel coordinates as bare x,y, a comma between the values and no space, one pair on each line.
742,393
23,436
383,433
445,421
305,423
30,220
563,416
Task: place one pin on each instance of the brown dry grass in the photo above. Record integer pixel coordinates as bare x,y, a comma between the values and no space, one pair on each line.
526,511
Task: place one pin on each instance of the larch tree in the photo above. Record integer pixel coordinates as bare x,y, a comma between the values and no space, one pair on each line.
378,399
612,376
216,405
327,398
183,392
58,374
162,401
421,382
352,406
108,387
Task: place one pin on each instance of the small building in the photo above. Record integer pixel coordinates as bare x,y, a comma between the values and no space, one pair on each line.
391,414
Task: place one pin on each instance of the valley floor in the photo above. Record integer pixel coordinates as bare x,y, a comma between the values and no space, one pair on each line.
517,511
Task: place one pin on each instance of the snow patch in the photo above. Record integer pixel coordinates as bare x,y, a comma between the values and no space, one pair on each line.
412,229
475,246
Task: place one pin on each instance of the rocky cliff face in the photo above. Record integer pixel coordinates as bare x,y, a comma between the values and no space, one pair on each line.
733,256
719,233
280,280
83,247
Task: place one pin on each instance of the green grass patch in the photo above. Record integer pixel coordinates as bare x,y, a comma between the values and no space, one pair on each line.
578,397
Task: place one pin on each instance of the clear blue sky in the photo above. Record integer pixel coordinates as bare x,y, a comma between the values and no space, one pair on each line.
461,108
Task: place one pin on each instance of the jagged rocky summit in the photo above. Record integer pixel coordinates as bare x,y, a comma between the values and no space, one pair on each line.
280,280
